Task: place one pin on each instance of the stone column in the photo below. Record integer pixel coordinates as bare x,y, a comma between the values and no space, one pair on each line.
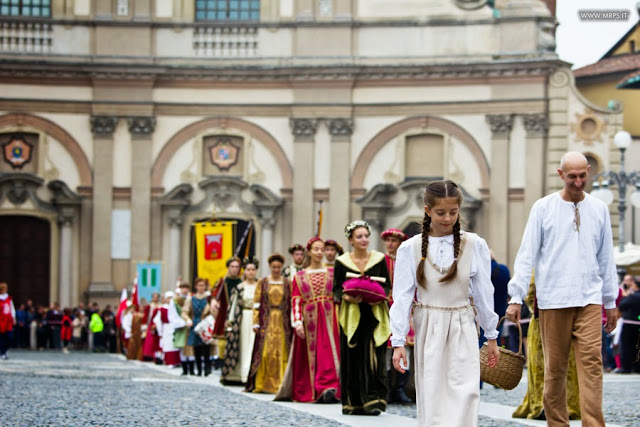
501,125
173,265
141,129
65,269
102,128
303,131
536,126
339,196
266,249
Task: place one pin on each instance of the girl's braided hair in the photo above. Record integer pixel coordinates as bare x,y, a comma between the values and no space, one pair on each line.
433,193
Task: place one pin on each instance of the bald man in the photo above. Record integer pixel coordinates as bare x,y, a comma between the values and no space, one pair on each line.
569,243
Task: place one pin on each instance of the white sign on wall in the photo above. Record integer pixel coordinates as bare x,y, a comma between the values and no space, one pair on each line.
121,234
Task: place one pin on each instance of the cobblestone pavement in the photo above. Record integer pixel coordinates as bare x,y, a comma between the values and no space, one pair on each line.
54,389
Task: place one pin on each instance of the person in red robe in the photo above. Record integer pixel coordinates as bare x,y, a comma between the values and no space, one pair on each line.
313,371
151,346
397,382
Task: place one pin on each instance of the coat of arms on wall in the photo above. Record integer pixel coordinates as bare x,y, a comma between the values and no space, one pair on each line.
224,154
17,152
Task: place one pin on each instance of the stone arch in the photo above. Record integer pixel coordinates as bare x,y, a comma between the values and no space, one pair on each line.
395,129
68,142
192,130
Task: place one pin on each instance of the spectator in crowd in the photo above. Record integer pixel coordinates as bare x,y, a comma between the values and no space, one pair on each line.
78,324
110,332
42,332
54,325
630,309
66,330
96,326
21,337
7,319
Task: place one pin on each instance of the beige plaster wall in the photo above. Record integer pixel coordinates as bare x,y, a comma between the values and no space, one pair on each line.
223,96
78,126
322,158
174,42
517,160
166,128
71,40
364,129
69,93
434,93
445,41
415,9
59,159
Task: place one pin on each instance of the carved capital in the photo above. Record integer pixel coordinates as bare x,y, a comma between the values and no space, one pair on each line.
175,220
304,128
340,127
103,125
65,220
501,124
141,125
535,124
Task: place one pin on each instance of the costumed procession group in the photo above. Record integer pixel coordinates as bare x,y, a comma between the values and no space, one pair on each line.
342,327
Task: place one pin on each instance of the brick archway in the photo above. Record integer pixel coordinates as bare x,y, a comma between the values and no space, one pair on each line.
398,128
50,128
194,129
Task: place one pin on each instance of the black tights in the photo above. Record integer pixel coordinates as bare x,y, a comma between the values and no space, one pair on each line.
202,352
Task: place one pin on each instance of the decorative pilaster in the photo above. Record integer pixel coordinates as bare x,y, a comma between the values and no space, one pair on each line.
141,129
267,205
65,222
174,203
304,131
376,205
102,128
339,205
501,126
536,127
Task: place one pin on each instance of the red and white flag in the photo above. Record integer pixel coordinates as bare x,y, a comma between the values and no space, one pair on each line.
121,307
134,293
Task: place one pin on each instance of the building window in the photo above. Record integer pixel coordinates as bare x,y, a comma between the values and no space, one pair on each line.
227,10
37,8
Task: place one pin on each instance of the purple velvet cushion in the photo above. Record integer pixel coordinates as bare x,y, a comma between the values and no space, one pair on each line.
369,290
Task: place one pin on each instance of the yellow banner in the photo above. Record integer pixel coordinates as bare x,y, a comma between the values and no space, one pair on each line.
214,246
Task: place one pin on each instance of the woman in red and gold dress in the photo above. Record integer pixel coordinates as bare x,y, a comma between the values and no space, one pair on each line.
313,372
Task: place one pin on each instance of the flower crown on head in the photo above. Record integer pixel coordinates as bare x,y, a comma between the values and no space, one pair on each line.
348,230
250,260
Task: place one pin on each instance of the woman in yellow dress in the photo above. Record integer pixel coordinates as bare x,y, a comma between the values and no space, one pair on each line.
531,406
272,326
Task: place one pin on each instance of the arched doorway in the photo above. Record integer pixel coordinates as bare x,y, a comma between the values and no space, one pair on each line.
25,249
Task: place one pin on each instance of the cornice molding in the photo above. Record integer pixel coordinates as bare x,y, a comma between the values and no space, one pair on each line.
266,71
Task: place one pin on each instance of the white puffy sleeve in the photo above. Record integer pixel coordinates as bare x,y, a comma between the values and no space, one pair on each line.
404,287
481,288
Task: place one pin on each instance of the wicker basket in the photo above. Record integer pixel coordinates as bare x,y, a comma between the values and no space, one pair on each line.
508,372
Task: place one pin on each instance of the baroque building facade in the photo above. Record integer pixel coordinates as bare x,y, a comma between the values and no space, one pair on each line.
141,117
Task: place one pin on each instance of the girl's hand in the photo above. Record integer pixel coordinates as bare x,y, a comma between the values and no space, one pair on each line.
300,331
400,355
493,353
351,299
256,328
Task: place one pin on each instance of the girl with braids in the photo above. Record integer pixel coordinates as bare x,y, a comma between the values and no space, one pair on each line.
451,271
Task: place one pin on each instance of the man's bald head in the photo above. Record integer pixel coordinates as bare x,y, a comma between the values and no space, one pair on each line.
573,159
574,171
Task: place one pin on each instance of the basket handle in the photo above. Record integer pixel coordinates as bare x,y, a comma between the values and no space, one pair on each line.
519,333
